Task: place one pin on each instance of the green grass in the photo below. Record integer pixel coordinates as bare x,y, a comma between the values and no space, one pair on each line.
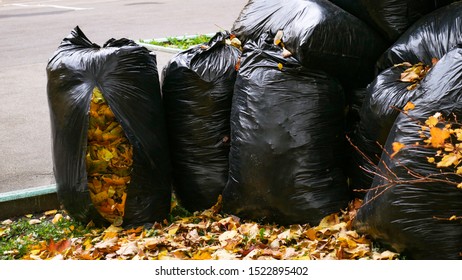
180,43
17,237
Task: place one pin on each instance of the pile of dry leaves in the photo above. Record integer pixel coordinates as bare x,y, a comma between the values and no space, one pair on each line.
210,235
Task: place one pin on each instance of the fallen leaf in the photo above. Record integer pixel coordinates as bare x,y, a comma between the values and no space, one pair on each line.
7,222
59,247
128,249
409,106
51,212
108,245
286,53
438,136
278,37
57,218
34,221
396,146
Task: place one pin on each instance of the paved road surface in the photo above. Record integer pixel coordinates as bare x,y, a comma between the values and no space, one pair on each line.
30,31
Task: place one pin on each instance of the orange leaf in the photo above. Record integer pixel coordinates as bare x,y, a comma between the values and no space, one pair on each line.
59,247
438,136
409,106
396,146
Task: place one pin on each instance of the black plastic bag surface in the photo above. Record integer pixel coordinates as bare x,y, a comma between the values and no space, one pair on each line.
390,17
126,74
430,37
385,96
197,88
319,34
287,142
405,209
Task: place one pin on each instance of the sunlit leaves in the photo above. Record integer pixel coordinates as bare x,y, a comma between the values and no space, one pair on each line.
210,235
445,136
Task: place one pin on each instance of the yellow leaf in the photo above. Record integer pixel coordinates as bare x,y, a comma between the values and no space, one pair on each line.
57,218
97,96
87,244
173,229
329,220
460,184
409,106
448,160
51,212
280,66
396,146
105,154
433,120
438,136
453,218
202,255
458,133
431,159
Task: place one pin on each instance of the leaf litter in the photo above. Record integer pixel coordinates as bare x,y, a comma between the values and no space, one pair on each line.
210,235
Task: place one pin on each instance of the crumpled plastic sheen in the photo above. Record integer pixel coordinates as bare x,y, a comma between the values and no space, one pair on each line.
126,74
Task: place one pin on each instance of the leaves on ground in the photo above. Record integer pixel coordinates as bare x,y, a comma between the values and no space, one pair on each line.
203,236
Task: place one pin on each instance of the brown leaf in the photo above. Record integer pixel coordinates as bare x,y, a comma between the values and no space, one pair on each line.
128,249
59,247
108,246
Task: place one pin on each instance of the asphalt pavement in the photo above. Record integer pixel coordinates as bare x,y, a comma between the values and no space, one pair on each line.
30,31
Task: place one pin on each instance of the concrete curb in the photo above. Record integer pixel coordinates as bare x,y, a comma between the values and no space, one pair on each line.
28,201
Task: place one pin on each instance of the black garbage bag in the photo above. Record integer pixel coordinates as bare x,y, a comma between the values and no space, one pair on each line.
410,203
319,34
287,141
385,96
126,76
197,88
430,37
354,105
390,17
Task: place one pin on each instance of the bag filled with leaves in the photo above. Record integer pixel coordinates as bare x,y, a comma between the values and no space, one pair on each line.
287,141
430,37
415,203
385,96
319,34
390,17
197,88
110,152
